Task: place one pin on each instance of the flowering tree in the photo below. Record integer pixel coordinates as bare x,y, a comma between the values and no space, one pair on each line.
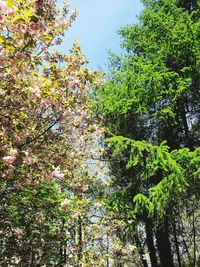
46,133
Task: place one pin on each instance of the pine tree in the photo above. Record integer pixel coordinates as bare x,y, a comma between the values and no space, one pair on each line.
151,108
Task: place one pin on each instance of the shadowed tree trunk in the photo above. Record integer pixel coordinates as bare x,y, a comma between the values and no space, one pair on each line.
176,244
150,243
163,243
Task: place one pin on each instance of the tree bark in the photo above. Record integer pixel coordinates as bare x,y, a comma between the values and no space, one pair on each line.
80,239
163,243
150,243
140,251
176,244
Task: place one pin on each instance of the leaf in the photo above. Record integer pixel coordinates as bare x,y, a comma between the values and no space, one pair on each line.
11,4
2,39
17,18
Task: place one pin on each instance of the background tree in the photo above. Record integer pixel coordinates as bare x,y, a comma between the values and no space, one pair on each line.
151,108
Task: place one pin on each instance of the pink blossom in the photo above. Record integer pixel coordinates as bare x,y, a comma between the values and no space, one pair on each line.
58,174
4,147
76,214
8,174
3,5
21,29
1,18
38,4
9,159
70,257
31,28
36,91
44,104
13,152
28,160
40,26
2,134
98,205
3,76
19,55
65,204
18,137
11,156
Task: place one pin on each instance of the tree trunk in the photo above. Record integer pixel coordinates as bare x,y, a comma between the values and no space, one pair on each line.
163,243
176,244
150,243
194,239
80,239
140,251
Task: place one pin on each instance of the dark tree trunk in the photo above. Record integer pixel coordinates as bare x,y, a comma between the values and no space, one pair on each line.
176,244
80,239
150,243
163,243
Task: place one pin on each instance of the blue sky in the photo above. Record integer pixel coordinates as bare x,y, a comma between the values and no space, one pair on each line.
96,27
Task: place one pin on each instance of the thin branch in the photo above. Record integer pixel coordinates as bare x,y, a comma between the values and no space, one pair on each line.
46,130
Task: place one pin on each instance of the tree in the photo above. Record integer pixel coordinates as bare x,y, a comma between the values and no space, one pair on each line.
151,108
46,126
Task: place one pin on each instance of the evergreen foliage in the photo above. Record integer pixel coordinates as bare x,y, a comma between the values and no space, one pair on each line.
151,108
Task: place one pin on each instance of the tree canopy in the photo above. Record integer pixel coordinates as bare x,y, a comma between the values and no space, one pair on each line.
151,108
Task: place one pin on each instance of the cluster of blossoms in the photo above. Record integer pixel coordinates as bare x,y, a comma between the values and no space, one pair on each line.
42,104
10,159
